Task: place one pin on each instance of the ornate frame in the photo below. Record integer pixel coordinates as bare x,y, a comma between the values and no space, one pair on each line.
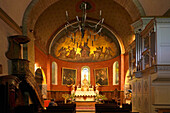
101,76
69,76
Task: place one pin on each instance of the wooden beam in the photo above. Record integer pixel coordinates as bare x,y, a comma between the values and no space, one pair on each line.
10,22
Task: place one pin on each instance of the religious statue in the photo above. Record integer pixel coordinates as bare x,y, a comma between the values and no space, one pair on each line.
97,88
73,89
85,84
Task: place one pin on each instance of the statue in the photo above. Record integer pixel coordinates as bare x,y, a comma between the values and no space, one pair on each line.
73,89
85,84
97,88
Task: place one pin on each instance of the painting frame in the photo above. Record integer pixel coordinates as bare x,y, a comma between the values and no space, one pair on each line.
101,76
69,76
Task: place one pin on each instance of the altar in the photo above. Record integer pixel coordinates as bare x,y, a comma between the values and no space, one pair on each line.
85,92
85,96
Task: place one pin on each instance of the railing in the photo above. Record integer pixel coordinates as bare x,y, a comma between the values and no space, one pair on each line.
31,80
20,68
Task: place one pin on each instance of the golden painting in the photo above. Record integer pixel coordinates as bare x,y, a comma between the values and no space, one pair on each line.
69,76
76,49
101,76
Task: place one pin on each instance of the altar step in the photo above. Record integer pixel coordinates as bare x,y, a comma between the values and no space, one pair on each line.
85,107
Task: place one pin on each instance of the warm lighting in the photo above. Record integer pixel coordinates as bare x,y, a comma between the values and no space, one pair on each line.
81,27
35,67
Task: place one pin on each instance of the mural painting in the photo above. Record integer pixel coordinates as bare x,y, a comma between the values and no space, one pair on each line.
76,49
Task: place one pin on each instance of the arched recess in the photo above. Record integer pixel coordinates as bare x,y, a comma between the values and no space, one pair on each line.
116,73
37,7
127,86
133,7
41,80
54,73
85,70
120,42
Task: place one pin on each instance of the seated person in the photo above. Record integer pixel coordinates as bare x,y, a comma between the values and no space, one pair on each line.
52,103
85,84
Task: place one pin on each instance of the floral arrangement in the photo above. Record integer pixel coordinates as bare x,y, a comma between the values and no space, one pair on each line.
100,98
71,97
65,96
68,97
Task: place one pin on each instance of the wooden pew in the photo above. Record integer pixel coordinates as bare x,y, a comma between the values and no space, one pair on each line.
61,108
100,108
111,108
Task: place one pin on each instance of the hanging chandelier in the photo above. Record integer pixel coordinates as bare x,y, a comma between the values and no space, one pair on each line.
83,26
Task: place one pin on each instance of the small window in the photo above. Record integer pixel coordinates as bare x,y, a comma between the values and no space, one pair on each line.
54,73
85,70
116,73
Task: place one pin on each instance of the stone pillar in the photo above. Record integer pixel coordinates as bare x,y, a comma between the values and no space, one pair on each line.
122,72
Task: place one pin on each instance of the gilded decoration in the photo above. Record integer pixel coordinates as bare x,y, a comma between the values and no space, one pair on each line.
93,49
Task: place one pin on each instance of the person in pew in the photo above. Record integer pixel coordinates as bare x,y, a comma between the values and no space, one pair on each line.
52,103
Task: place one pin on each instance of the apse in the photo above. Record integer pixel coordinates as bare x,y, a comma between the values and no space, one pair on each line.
91,48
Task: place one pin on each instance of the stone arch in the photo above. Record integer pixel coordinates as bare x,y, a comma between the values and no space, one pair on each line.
133,8
36,8
122,48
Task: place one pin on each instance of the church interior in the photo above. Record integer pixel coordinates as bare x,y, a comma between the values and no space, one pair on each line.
91,56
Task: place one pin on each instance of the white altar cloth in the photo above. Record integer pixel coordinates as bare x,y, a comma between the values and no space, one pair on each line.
85,95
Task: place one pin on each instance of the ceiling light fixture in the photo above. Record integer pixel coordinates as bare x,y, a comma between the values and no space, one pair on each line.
82,25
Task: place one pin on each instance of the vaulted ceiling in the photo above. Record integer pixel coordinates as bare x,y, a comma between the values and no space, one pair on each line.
118,16
41,19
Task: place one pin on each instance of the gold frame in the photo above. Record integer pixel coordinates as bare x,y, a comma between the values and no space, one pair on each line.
72,72
107,76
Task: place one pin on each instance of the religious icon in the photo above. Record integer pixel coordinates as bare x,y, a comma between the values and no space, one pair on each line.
69,76
101,76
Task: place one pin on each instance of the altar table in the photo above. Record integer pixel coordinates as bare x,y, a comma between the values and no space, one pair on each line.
85,96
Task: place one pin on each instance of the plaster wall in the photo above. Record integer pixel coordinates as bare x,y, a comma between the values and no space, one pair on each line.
163,40
15,9
45,61
155,7
5,32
